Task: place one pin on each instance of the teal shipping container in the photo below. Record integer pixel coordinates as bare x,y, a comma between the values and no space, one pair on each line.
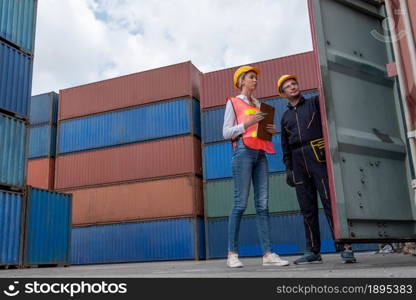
13,142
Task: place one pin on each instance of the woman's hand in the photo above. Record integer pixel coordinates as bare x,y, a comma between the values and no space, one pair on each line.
271,128
257,117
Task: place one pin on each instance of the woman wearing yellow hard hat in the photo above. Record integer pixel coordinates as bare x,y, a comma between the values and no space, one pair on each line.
249,164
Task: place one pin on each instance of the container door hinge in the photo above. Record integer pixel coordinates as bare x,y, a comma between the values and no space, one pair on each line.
411,134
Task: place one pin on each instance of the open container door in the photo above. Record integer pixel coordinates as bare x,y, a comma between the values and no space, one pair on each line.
367,157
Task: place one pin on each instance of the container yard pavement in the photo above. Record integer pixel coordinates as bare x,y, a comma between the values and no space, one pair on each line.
369,265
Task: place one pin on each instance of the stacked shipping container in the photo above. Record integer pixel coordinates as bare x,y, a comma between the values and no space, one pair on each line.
34,223
17,24
42,141
287,222
129,151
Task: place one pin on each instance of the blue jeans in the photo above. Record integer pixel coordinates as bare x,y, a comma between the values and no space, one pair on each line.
249,165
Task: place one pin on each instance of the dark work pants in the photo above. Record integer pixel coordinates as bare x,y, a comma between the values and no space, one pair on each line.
311,177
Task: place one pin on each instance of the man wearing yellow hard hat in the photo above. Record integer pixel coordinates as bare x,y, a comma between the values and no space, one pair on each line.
249,165
304,156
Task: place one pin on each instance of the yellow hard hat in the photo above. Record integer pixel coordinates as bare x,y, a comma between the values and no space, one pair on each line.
282,79
244,69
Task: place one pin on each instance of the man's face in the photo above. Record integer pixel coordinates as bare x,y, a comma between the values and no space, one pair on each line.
290,88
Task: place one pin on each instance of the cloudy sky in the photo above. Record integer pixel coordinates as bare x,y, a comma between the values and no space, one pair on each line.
82,41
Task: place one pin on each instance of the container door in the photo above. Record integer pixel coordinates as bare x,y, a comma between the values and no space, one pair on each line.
368,163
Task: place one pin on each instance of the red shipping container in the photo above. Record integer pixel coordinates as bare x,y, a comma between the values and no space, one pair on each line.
41,172
140,88
217,86
156,199
166,157
404,40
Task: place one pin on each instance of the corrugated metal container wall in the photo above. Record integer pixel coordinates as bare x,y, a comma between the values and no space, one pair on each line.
13,134
217,86
219,197
11,222
17,22
42,141
142,123
44,109
48,227
217,159
174,197
16,86
160,158
287,236
213,119
136,89
41,173
172,239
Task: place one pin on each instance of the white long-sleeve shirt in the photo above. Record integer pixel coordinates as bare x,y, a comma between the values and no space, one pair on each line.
231,129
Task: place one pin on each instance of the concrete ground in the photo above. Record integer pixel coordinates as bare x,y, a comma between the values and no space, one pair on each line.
369,265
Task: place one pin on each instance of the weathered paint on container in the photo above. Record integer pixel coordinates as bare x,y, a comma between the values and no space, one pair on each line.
15,81
42,141
167,157
48,227
41,173
156,199
44,109
11,227
171,239
13,135
219,197
217,159
213,119
17,22
217,86
164,83
287,236
161,120
404,52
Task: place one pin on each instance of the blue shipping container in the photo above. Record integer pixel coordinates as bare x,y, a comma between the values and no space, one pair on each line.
15,81
287,236
48,227
171,239
161,120
17,22
44,109
217,159
42,141
11,222
13,134
213,119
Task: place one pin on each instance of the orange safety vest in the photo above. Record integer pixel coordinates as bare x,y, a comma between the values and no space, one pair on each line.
243,112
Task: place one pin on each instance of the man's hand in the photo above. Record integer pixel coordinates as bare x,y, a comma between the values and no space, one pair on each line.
289,178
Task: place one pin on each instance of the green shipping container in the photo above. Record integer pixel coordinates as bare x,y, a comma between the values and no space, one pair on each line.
218,197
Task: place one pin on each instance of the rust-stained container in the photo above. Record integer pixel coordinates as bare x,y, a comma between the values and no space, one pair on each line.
140,88
167,157
406,43
156,199
41,173
217,86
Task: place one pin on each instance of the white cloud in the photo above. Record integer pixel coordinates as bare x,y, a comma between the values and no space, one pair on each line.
81,41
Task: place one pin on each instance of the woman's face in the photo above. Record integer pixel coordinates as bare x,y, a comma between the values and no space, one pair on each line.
250,81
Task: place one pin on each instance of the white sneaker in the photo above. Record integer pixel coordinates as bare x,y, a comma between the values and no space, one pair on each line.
233,261
274,260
